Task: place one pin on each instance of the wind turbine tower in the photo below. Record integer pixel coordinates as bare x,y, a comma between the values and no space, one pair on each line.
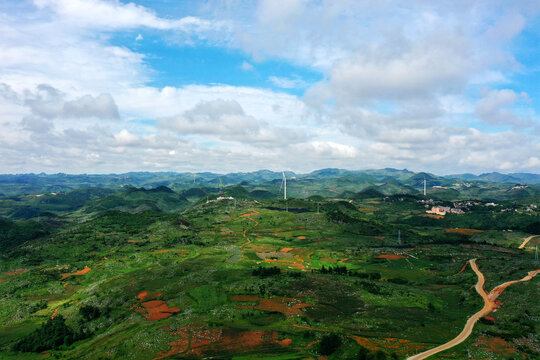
284,186
425,192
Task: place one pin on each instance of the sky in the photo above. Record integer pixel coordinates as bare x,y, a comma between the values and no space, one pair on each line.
111,86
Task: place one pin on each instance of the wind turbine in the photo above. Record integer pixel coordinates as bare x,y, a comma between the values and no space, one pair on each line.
284,186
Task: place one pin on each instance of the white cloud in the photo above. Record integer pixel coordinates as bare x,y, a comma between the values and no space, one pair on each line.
125,138
48,102
226,120
246,66
288,83
114,14
496,107
396,88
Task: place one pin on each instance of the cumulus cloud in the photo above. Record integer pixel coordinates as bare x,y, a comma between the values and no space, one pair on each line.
48,102
401,87
419,70
496,107
101,106
114,14
227,120
125,138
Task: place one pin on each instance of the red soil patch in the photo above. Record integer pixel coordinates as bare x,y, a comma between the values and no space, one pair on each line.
307,327
288,262
365,342
133,241
433,216
391,257
302,237
157,310
101,234
463,268
287,249
495,345
54,313
249,214
343,260
102,262
284,342
489,318
2,280
145,295
76,273
399,346
317,240
463,231
373,202
169,250
15,272
287,306
222,340
367,209
312,343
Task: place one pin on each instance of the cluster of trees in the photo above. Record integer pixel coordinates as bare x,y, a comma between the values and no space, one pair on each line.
266,271
55,333
342,270
51,335
89,312
338,270
14,233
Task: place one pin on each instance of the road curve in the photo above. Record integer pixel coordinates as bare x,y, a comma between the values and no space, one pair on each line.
489,306
249,215
527,241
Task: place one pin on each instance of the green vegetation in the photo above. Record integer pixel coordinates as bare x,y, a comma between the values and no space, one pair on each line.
351,268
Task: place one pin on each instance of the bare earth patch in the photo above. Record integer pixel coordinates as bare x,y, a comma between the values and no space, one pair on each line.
391,257
156,310
207,342
287,306
84,271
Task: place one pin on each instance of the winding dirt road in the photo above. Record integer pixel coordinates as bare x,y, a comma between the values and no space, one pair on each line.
527,241
489,306
249,215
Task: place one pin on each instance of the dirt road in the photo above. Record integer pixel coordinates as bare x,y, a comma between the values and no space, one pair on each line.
489,306
527,241
249,215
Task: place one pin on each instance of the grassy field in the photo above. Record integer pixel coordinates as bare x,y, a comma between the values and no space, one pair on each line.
189,285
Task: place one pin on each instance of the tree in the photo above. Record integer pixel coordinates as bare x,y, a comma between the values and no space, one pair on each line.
329,344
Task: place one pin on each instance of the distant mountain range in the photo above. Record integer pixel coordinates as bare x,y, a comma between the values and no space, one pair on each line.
329,182
523,178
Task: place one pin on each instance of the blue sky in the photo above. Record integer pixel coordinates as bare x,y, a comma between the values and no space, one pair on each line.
93,86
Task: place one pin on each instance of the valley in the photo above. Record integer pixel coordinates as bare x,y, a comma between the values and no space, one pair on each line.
157,273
